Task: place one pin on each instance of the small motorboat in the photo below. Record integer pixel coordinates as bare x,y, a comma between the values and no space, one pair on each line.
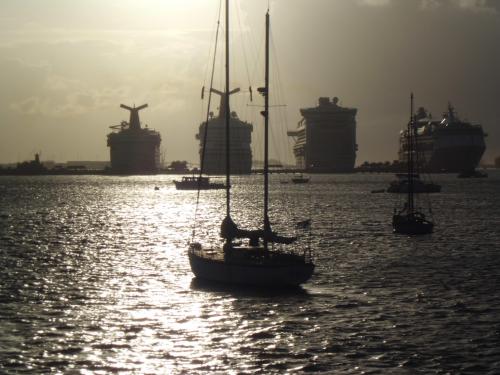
197,183
299,178
401,185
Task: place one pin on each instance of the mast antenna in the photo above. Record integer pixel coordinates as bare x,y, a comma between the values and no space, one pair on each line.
265,92
228,117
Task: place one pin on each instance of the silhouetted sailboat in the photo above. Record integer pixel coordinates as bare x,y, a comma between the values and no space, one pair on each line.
410,220
255,264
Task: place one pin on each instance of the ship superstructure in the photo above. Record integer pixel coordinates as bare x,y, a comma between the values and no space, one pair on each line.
445,145
325,139
133,149
240,140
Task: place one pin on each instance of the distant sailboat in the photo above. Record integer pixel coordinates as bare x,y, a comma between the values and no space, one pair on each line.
255,264
409,219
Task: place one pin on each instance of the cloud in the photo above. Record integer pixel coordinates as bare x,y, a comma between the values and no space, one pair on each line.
374,2
491,6
61,78
478,5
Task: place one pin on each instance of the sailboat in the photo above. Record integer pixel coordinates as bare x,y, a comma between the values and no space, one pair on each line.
256,263
410,220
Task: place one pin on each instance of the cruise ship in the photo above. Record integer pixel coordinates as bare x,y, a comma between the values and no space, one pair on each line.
445,145
325,139
215,145
134,150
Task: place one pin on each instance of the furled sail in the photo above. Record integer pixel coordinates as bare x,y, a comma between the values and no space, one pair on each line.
229,231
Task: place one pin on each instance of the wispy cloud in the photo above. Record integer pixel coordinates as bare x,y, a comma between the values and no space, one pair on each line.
478,5
374,2
491,6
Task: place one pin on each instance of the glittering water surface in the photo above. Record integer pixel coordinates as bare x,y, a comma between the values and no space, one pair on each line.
95,279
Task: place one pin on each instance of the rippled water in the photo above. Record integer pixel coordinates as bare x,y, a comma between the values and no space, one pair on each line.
95,279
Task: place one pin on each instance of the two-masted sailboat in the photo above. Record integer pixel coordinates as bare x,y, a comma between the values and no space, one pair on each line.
410,219
255,263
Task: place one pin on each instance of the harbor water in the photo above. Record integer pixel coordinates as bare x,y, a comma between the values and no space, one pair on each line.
95,279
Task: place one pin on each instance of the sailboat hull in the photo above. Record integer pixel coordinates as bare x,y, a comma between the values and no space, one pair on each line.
406,224
277,271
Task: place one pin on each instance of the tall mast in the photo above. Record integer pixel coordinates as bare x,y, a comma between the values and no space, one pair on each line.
267,226
228,114
410,157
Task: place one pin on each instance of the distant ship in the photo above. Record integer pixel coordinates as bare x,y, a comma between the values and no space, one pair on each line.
134,150
240,135
325,139
446,145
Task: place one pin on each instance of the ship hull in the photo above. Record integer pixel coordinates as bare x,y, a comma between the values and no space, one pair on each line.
212,149
411,225
261,274
325,140
181,185
455,159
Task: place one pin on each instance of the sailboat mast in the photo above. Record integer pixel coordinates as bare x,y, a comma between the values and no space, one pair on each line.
227,119
410,158
267,226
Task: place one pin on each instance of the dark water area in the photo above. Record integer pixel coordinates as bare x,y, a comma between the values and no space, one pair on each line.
95,279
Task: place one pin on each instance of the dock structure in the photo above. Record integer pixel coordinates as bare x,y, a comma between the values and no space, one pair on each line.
325,138
133,149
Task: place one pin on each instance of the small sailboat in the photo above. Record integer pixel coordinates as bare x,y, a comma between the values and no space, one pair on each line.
255,263
411,220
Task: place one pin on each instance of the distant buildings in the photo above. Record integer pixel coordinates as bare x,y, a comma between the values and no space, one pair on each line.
325,139
31,167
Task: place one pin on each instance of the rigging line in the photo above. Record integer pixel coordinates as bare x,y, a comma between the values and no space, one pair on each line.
282,113
281,96
256,66
227,119
206,126
245,54
213,41
214,36
243,44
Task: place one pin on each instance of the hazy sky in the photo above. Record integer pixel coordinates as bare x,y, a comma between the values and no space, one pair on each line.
65,67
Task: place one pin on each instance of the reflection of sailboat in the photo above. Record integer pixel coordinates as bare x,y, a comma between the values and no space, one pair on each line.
255,264
410,220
